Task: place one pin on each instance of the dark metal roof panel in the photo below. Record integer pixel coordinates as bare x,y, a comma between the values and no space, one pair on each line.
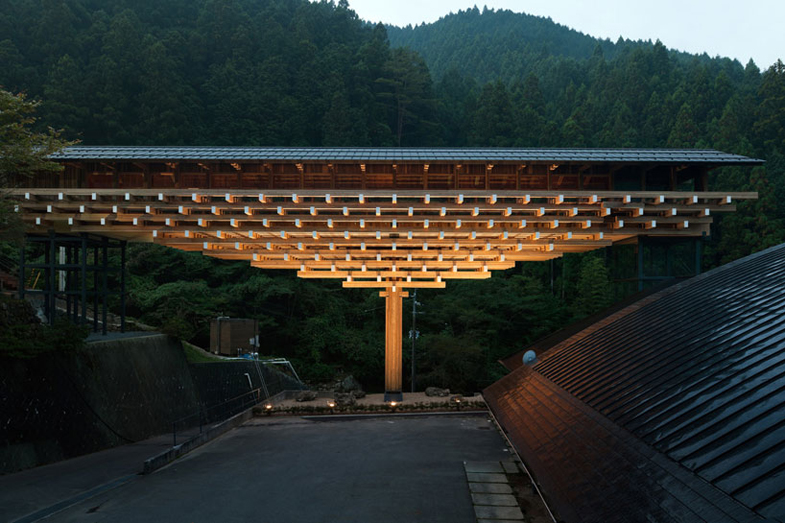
293,154
514,361
697,372
593,471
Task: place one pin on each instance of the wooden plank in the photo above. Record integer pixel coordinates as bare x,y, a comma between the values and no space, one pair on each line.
388,193
545,234
398,284
203,205
290,230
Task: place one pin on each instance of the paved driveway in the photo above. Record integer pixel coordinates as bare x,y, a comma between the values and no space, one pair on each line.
279,470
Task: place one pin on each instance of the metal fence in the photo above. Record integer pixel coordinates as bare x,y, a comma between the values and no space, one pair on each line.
193,424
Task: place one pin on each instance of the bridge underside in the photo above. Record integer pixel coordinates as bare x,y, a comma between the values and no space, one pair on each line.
387,219
392,241
376,239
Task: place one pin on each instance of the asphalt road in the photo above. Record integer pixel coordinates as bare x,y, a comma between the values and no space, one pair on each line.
33,493
279,470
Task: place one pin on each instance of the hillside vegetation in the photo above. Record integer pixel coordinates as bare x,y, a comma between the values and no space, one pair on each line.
292,72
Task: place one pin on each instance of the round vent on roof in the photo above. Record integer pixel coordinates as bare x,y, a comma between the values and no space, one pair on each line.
529,357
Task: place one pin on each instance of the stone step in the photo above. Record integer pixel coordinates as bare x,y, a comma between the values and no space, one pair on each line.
491,493
498,513
483,466
499,500
486,478
490,488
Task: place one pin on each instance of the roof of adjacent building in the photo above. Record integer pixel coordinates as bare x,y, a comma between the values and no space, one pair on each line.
671,408
338,154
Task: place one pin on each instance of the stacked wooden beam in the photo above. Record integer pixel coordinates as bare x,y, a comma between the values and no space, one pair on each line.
376,238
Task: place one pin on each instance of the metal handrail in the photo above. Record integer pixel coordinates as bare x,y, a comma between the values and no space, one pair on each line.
201,413
272,361
8,264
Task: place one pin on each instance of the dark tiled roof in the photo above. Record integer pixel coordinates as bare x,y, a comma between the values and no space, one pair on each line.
338,154
514,361
592,471
694,373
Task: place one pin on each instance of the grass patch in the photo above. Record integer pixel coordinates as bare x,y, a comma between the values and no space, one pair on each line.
195,354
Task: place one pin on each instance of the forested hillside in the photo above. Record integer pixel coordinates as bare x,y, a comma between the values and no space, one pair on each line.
292,72
488,45
518,43
221,72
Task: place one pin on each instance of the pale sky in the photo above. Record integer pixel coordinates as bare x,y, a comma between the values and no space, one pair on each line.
740,29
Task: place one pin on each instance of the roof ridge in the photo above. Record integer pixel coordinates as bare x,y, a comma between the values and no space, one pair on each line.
479,154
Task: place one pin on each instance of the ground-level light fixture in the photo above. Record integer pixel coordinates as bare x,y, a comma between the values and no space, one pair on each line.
268,408
331,404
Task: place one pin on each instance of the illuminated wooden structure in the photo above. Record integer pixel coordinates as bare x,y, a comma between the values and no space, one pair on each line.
388,218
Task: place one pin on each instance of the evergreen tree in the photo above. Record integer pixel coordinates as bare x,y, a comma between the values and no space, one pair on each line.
493,120
65,102
457,99
23,153
685,133
405,88
165,107
753,227
342,125
594,288
771,112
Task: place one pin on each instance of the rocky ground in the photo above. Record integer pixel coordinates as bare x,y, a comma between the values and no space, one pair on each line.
409,398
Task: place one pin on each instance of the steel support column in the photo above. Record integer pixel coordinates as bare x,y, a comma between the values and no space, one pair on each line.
95,288
105,289
83,277
22,271
66,268
640,263
67,283
51,296
122,285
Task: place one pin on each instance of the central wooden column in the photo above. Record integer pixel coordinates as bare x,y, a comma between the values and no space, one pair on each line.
393,361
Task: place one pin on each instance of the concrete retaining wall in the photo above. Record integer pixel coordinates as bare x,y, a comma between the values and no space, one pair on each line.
114,392
138,385
110,393
223,386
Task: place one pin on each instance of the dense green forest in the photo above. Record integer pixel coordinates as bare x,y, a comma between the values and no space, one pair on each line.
293,72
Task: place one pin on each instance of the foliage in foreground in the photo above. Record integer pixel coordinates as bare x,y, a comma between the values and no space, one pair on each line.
195,354
22,335
24,152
